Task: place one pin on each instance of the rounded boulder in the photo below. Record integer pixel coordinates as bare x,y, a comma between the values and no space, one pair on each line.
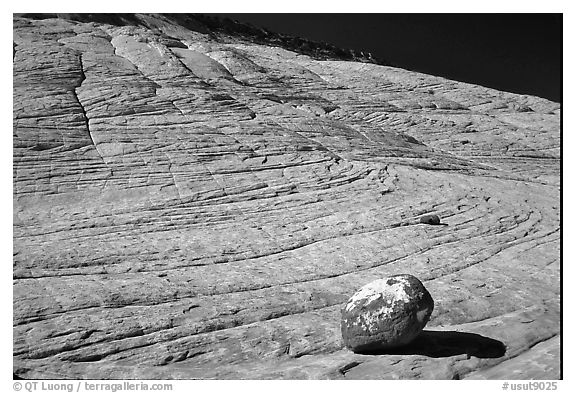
430,219
386,313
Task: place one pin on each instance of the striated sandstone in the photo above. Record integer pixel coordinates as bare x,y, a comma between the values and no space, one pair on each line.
189,206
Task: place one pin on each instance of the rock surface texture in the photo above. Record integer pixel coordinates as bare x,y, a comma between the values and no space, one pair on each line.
385,314
190,205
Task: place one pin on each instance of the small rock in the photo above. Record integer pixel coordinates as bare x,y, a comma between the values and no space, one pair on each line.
430,219
386,313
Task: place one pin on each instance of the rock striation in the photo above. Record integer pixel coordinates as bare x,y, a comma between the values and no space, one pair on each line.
386,314
189,205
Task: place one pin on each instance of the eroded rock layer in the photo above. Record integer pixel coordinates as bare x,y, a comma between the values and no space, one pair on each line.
192,207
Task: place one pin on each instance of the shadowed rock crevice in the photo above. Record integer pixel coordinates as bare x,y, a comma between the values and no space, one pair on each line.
82,109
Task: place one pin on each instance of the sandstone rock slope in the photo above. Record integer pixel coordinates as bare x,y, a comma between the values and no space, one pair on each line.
187,205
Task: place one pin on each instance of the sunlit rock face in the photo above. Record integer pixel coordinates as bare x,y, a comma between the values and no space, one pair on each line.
192,205
385,314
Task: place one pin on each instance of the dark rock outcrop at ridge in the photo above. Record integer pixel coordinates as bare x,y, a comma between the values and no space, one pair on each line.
226,30
190,206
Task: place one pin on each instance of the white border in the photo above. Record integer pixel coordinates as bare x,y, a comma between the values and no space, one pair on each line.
292,6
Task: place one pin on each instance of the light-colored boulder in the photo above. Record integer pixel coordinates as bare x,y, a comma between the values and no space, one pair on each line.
386,313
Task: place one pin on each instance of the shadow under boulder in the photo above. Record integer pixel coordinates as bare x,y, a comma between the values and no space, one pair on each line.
438,344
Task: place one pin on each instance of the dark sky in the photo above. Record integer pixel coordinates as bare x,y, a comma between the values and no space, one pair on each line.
521,53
